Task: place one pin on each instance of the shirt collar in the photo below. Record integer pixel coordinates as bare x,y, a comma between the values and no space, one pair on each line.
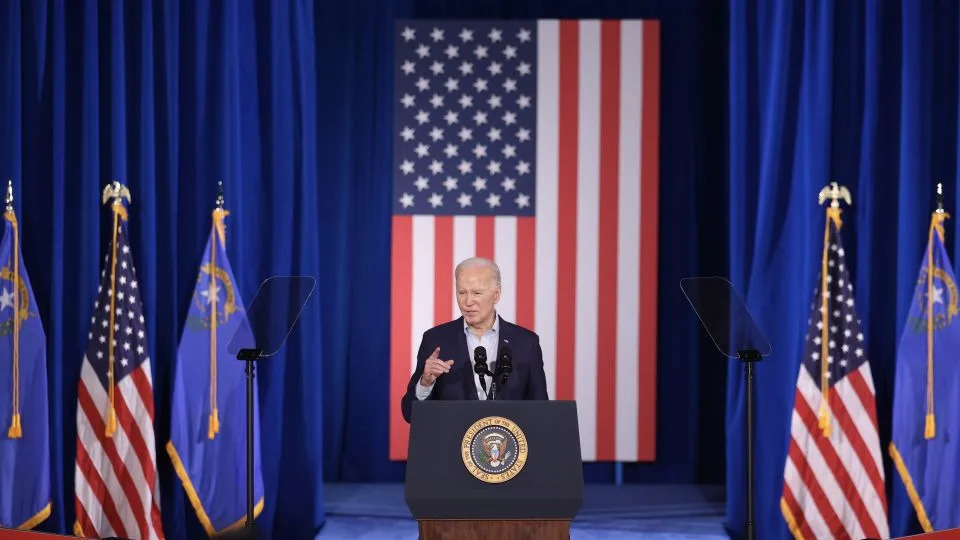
495,329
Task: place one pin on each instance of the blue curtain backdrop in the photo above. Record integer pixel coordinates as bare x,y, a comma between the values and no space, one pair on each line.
289,103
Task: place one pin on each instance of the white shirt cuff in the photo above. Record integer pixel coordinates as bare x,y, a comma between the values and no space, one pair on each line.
423,392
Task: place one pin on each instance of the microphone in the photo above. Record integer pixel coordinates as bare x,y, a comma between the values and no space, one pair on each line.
480,365
504,365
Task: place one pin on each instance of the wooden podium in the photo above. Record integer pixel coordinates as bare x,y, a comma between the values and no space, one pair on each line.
480,470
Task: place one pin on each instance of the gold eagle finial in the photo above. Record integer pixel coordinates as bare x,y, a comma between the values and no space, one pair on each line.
116,191
834,192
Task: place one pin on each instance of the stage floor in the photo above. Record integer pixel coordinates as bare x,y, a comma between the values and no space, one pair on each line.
655,512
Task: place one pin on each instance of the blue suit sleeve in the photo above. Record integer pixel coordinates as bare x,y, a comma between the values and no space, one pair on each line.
411,395
537,380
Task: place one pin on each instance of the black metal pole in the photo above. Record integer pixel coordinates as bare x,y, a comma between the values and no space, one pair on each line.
250,436
750,523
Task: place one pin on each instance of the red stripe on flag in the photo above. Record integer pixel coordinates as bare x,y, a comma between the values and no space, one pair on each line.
401,272
485,236
859,446
607,240
99,490
129,425
797,513
836,466
567,126
86,526
120,470
649,188
866,396
526,270
144,388
809,479
443,269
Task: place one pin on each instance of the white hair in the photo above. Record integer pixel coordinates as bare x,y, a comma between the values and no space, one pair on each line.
479,262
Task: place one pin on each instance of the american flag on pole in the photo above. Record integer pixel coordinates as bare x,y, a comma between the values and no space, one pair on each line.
535,144
116,488
833,479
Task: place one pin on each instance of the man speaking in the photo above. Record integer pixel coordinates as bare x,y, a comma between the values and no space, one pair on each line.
479,355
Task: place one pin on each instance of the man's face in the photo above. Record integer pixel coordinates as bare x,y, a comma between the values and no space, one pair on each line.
477,294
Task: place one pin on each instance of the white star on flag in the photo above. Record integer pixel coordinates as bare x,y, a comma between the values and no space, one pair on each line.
6,299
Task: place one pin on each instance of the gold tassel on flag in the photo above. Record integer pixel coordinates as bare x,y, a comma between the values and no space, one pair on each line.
16,430
117,192
834,192
936,226
217,233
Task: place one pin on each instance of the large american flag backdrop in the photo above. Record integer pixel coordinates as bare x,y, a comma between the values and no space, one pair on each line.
116,488
535,143
833,480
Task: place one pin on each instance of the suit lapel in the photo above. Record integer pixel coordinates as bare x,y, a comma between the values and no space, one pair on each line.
504,340
469,386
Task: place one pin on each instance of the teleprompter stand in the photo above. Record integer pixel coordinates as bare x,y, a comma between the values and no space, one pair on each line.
736,335
271,315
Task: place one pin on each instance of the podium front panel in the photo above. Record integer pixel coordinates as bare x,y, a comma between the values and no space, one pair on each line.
548,484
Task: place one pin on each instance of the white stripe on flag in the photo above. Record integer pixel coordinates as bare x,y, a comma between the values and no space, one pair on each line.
868,432
823,475
101,463
421,316
845,451
464,247
505,254
628,241
121,440
810,513
588,211
90,503
545,312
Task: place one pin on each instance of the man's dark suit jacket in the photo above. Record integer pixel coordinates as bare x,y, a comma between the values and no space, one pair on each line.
527,381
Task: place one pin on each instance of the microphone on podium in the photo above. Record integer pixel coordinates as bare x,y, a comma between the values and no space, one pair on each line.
504,365
480,365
